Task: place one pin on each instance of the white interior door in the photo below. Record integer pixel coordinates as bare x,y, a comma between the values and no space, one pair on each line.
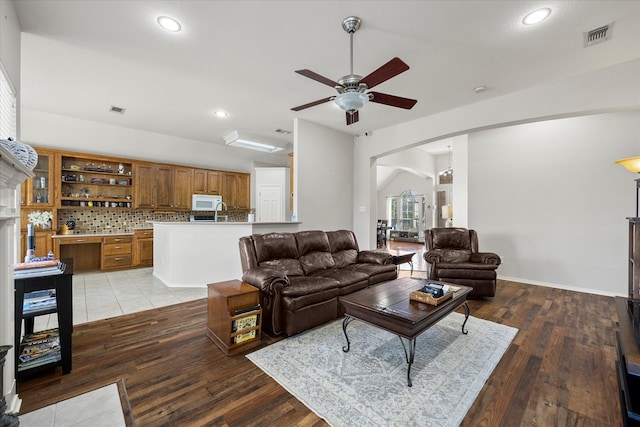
270,205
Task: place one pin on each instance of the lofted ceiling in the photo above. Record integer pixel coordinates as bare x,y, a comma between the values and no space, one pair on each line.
81,57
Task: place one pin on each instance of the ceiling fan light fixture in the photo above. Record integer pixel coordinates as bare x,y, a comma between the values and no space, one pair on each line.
351,101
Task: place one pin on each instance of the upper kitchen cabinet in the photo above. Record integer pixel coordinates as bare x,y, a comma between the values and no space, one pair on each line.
39,191
206,182
236,190
162,187
182,188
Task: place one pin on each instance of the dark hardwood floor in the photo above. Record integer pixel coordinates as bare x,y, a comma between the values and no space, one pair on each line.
559,370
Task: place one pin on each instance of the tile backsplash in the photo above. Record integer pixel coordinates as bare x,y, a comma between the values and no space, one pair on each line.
101,221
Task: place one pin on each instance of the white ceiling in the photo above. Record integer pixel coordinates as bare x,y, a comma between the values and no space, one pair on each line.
81,57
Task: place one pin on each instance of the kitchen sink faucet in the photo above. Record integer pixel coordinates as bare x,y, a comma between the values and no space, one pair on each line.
226,217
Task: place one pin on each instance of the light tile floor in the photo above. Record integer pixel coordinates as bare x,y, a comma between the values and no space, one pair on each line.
96,408
99,295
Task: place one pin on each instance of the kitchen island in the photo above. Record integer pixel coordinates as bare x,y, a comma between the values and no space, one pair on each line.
194,254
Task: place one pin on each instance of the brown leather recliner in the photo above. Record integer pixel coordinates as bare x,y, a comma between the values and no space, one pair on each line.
454,258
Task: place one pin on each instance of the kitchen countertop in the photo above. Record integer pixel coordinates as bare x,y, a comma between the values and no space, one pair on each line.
221,222
127,233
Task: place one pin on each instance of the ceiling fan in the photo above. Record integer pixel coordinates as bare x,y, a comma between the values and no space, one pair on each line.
351,88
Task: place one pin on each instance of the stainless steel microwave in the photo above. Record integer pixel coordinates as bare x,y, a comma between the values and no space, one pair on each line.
205,202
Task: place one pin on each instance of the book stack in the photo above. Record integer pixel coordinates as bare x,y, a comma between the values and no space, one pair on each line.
39,301
26,270
39,348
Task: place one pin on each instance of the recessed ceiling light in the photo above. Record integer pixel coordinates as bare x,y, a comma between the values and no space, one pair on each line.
536,16
221,114
169,24
479,89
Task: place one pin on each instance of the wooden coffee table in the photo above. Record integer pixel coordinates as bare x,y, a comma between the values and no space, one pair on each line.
388,306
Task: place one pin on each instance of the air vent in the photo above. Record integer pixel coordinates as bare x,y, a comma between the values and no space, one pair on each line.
118,110
598,35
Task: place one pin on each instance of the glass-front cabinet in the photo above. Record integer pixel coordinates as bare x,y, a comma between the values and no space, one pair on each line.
38,191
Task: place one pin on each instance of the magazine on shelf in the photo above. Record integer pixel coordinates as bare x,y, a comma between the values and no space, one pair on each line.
40,303
245,337
39,348
244,323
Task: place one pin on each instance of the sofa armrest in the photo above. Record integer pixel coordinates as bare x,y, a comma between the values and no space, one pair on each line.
486,258
270,282
375,257
266,279
433,257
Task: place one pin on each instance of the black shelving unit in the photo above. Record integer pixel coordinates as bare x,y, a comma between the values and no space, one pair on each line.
61,284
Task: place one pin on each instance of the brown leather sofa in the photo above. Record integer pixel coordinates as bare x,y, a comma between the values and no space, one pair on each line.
302,275
454,258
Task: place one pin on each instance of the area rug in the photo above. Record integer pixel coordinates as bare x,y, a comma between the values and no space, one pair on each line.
368,385
105,406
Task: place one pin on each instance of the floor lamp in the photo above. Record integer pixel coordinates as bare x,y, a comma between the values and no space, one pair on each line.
633,164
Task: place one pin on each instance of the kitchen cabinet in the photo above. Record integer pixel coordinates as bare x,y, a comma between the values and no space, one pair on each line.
182,188
37,192
84,250
94,182
143,247
116,252
145,186
235,190
162,187
206,182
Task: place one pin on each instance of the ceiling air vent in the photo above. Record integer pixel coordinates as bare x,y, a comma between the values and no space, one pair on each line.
118,110
597,35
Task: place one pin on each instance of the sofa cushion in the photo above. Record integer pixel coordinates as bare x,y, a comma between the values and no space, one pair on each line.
344,247
372,269
279,251
313,251
453,238
348,280
303,291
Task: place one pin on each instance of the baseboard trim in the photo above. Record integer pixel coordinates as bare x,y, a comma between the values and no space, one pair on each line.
564,287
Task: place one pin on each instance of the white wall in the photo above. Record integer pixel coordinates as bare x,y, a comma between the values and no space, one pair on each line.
323,176
550,200
615,88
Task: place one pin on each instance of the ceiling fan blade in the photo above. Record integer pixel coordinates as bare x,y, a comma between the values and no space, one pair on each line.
312,104
394,101
352,118
384,73
317,77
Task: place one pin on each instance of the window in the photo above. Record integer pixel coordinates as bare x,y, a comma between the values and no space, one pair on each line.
7,106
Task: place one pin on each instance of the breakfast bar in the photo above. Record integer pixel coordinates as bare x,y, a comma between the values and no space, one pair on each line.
193,254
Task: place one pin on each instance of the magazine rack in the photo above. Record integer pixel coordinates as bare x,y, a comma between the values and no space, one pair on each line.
234,316
62,285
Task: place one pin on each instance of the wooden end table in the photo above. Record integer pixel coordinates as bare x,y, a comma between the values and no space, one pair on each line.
388,306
